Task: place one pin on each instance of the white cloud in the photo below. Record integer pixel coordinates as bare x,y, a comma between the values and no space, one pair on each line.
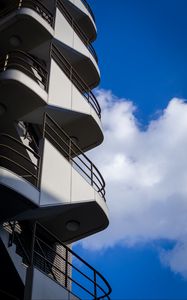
146,177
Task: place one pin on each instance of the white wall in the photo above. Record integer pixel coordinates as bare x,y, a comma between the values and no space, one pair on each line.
63,94
56,177
65,33
61,183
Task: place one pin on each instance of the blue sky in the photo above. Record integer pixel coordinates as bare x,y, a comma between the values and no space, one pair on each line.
142,48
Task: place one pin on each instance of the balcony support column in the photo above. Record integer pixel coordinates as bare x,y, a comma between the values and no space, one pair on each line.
30,269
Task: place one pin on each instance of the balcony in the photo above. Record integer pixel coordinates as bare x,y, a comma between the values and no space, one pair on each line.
75,45
22,78
17,169
82,14
61,186
73,181
73,108
66,274
19,22
77,29
76,79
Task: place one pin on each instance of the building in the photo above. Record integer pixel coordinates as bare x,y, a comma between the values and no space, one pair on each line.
51,193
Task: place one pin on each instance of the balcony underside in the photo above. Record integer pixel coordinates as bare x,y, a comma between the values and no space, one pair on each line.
89,215
19,28
82,64
12,203
71,122
82,19
19,94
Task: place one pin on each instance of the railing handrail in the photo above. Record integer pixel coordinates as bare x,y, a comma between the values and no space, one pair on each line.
33,4
96,279
88,8
19,165
95,177
77,80
20,60
21,144
77,28
68,250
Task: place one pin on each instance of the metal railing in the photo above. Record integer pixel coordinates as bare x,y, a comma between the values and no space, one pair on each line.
33,4
67,268
88,8
77,28
76,79
27,64
74,154
14,155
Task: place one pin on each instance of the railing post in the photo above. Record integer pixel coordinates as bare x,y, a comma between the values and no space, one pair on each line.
92,182
30,269
95,285
11,236
70,145
66,269
6,62
41,152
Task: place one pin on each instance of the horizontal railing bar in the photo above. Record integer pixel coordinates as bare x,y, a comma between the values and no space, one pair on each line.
20,166
40,5
77,80
74,161
10,61
77,28
69,263
63,150
78,257
92,167
100,189
20,154
62,272
10,65
22,61
33,4
43,255
72,150
56,124
20,143
29,57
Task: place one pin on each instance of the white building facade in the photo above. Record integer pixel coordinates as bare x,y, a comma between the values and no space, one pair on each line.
51,193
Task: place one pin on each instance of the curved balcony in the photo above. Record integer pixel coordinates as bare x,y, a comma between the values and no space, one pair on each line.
82,16
16,170
77,276
72,152
19,22
67,270
74,44
59,187
73,182
22,78
80,103
76,79
81,23
73,108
